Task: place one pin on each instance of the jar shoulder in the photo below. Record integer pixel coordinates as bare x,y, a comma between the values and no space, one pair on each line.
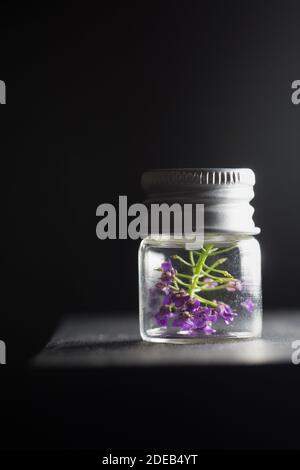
217,239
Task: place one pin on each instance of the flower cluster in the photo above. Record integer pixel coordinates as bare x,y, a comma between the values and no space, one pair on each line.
184,310
167,276
180,310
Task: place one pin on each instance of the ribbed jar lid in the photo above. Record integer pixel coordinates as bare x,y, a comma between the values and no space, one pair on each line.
225,192
176,179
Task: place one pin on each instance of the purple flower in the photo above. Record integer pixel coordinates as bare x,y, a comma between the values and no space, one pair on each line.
210,315
195,323
167,265
193,305
163,287
200,323
168,272
248,304
184,321
167,275
209,283
208,330
179,298
164,315
181,310
232,286
225,312
167,300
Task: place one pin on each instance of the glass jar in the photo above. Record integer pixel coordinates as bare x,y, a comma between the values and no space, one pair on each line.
212,292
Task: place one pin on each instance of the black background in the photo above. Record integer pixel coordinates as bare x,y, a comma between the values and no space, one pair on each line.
98,94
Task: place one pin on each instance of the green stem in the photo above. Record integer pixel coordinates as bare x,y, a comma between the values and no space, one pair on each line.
203,283
197,272
214,253
220,271
186,276
181,282
191,256
200,270
182,260
219,279
211,289
206,302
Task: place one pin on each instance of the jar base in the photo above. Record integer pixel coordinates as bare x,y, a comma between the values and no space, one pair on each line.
160,335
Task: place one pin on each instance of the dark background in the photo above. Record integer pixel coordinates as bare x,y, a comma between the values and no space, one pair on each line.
98,94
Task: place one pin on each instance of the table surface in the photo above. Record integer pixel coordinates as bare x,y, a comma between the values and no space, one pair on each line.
90,340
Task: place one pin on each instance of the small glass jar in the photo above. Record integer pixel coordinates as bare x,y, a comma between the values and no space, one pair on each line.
191,295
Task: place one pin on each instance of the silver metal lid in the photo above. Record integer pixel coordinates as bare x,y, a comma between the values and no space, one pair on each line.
225,192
